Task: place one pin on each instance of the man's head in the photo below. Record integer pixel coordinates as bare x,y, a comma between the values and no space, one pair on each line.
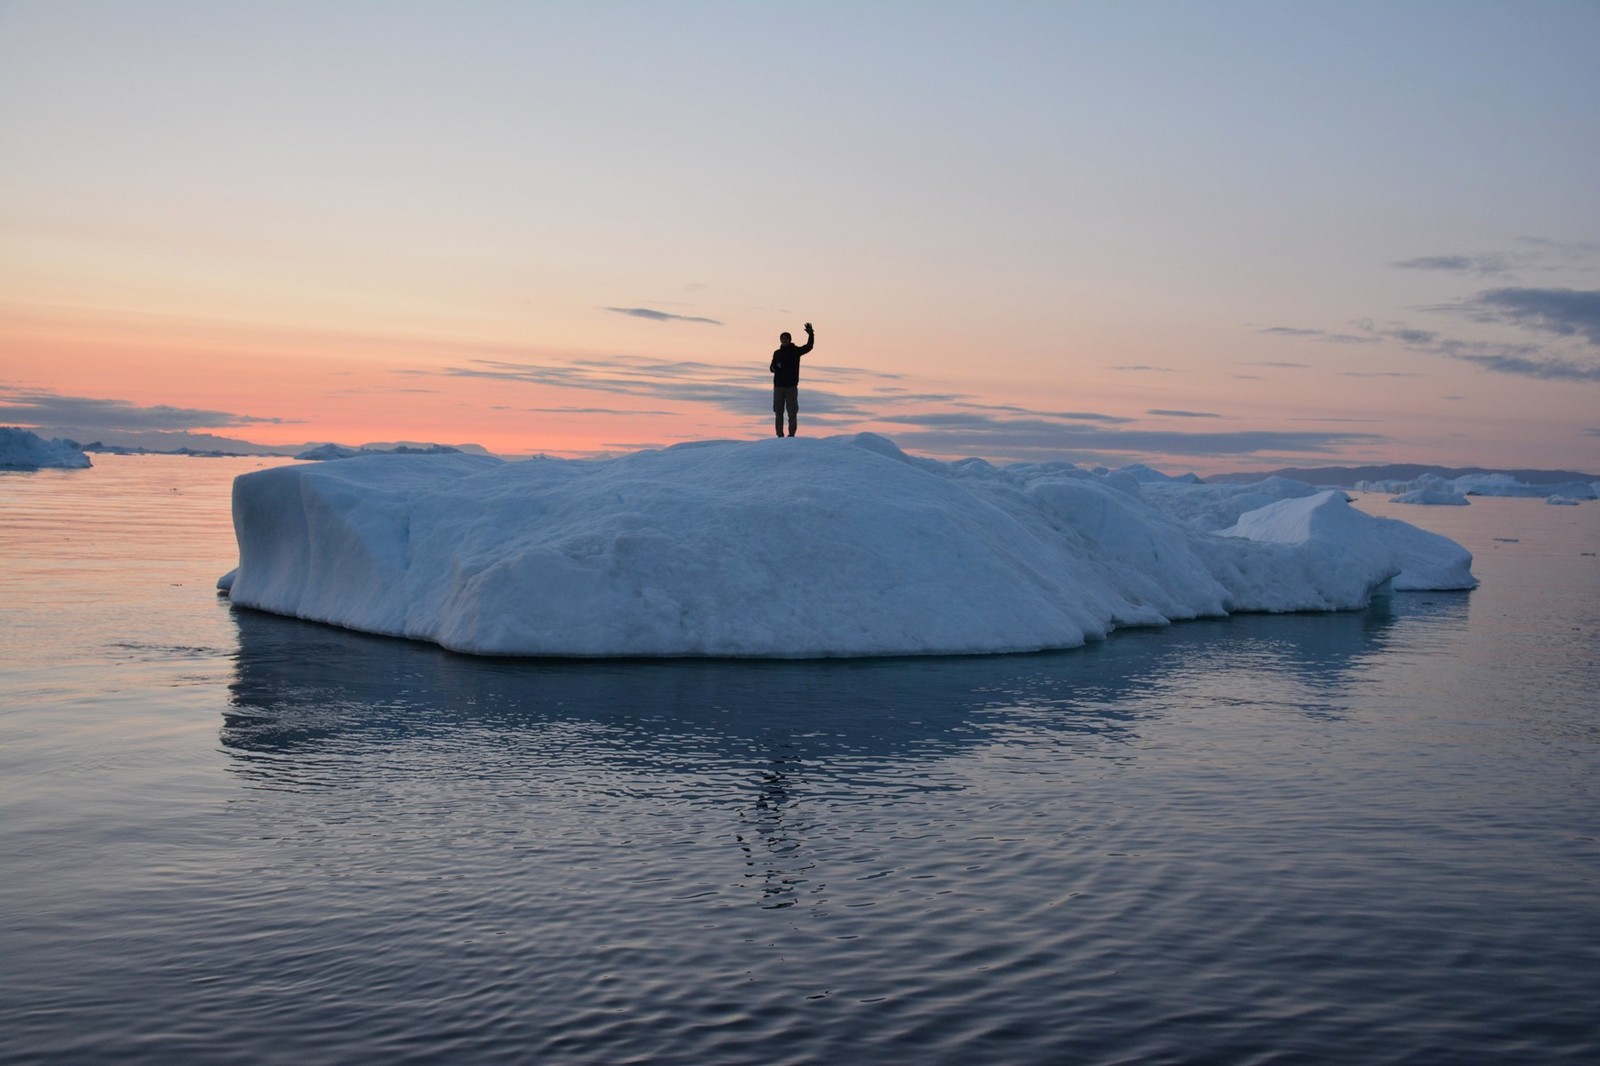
784,338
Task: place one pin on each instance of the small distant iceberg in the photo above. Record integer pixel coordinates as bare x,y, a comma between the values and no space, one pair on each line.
1480,485
1431,498
1563,501
795,548
325,452
22,449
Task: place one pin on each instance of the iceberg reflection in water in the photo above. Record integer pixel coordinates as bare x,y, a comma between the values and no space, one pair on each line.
1214,835
300,686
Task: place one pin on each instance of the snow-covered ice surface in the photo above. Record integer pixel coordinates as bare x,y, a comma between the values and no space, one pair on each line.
800,547
22,449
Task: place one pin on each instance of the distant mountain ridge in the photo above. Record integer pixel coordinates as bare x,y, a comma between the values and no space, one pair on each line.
171,442
1347,476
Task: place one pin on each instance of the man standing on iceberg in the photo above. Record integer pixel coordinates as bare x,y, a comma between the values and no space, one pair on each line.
786,377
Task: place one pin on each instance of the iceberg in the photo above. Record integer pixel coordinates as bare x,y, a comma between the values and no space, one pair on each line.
1432,497
326,452
789,548
22,449
1481,485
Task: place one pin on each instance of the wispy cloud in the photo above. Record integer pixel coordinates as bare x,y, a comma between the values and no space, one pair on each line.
1549,368
1523,360
1141,367
939,423
1494,263
45,408
1535,255
1277,365
993,409
629,377
1321,335
661,316
857,396
1564,322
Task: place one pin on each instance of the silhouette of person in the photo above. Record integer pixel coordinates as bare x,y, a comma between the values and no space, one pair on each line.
786,378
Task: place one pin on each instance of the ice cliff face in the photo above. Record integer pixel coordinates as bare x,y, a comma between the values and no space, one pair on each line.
786,548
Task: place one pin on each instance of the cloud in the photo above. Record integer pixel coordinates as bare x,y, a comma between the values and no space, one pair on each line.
1321,335
580,411
1537,255
1278,365
661,316
1151,369
43,408
1494,263
1569,314
1550,368
1014,409
658,379
938,423
1382,374
1562,312
1525,360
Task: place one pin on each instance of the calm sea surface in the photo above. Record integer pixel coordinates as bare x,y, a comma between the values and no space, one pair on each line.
228,837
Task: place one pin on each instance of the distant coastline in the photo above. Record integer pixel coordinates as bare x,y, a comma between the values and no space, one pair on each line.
1349,476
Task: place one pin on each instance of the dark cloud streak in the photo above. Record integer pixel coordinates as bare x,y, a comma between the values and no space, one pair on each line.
1459,264
661,316
43,408
1563,312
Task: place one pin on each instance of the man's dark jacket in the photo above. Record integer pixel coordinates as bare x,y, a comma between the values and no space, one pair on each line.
786,364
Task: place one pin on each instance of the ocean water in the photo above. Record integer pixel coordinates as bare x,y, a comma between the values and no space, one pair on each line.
225,837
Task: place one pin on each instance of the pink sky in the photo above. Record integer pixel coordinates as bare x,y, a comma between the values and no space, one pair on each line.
1057,234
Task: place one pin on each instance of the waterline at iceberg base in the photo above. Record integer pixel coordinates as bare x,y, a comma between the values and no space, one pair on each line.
795,548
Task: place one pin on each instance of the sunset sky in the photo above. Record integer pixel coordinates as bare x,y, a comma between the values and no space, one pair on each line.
1205,236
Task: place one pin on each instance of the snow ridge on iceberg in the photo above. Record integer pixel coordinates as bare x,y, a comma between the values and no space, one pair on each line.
796,547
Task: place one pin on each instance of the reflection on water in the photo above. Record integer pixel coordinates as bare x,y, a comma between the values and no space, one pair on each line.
297,682
298,685
787,753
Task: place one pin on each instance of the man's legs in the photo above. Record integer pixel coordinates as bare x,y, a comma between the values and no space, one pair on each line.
784,399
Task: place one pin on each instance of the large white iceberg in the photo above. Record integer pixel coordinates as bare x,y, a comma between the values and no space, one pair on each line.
796,547
23,449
